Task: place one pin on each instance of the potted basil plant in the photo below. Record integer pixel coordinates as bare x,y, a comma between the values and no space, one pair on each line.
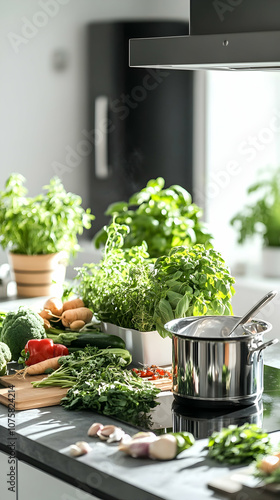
40,233
261,216
163,217
134,296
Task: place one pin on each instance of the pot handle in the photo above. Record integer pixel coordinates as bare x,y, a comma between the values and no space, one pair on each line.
260,348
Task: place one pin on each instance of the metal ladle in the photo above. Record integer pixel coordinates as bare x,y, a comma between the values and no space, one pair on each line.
249,315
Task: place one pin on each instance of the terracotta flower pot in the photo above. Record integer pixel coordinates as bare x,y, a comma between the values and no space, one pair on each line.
38,275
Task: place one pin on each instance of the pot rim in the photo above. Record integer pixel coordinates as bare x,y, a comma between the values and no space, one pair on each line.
245,336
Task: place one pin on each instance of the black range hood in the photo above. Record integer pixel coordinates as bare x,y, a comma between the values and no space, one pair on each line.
223,35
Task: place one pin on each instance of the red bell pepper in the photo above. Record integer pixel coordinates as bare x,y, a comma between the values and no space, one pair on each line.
60,350
38,350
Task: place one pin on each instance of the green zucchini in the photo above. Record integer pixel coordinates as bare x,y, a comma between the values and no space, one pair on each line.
80,340
97,339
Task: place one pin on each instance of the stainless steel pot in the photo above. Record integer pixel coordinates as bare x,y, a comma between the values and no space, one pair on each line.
214,370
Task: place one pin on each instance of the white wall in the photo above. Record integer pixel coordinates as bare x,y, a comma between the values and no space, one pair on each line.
243,136
42,110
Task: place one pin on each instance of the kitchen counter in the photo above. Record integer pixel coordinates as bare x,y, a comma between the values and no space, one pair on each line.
44,470
43,435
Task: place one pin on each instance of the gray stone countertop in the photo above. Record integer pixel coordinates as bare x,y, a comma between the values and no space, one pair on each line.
43,435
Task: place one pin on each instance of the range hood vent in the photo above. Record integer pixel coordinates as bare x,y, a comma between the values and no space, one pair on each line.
223,35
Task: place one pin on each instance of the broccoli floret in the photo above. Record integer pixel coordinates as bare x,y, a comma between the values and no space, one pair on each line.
5,350
19,327
5,357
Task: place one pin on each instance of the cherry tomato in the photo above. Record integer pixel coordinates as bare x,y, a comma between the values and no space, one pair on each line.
160,371
154,377
143,373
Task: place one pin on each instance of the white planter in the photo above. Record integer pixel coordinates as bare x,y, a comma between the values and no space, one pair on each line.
271,262
146,348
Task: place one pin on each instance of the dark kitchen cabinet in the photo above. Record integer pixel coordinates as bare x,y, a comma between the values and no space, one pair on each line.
140,121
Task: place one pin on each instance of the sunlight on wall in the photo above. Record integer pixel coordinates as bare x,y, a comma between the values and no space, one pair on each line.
243,136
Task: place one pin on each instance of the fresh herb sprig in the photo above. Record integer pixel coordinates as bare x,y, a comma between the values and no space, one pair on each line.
194,282
98,381
130,290
164,218
236,445
121,288
44,224
261,215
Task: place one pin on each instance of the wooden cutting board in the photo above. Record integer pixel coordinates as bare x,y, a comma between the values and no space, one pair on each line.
27,397
20,393
164,384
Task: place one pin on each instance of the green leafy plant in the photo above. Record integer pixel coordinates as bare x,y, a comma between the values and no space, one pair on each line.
120,289
236,445
164,218
194,282
44,224
262,215
99,381
130,290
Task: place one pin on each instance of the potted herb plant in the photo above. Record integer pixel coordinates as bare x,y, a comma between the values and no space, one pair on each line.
163,217
261,216
40,233
134,295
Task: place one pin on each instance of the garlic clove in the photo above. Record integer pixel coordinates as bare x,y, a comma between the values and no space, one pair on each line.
105,432
94,428
83,446
74,450
116,436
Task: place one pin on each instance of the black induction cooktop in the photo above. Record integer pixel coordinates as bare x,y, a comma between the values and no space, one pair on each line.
170,416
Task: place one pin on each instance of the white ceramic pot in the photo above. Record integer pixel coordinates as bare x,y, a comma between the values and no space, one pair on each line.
271,262
146,348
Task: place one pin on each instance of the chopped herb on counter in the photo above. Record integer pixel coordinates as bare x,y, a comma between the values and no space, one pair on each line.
98,381
236,445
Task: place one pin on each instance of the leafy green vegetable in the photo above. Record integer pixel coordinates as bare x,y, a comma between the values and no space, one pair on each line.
120,289
47,223
98,381
236,445
194,282
20,326
164,218
184,440
129,290
262,215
